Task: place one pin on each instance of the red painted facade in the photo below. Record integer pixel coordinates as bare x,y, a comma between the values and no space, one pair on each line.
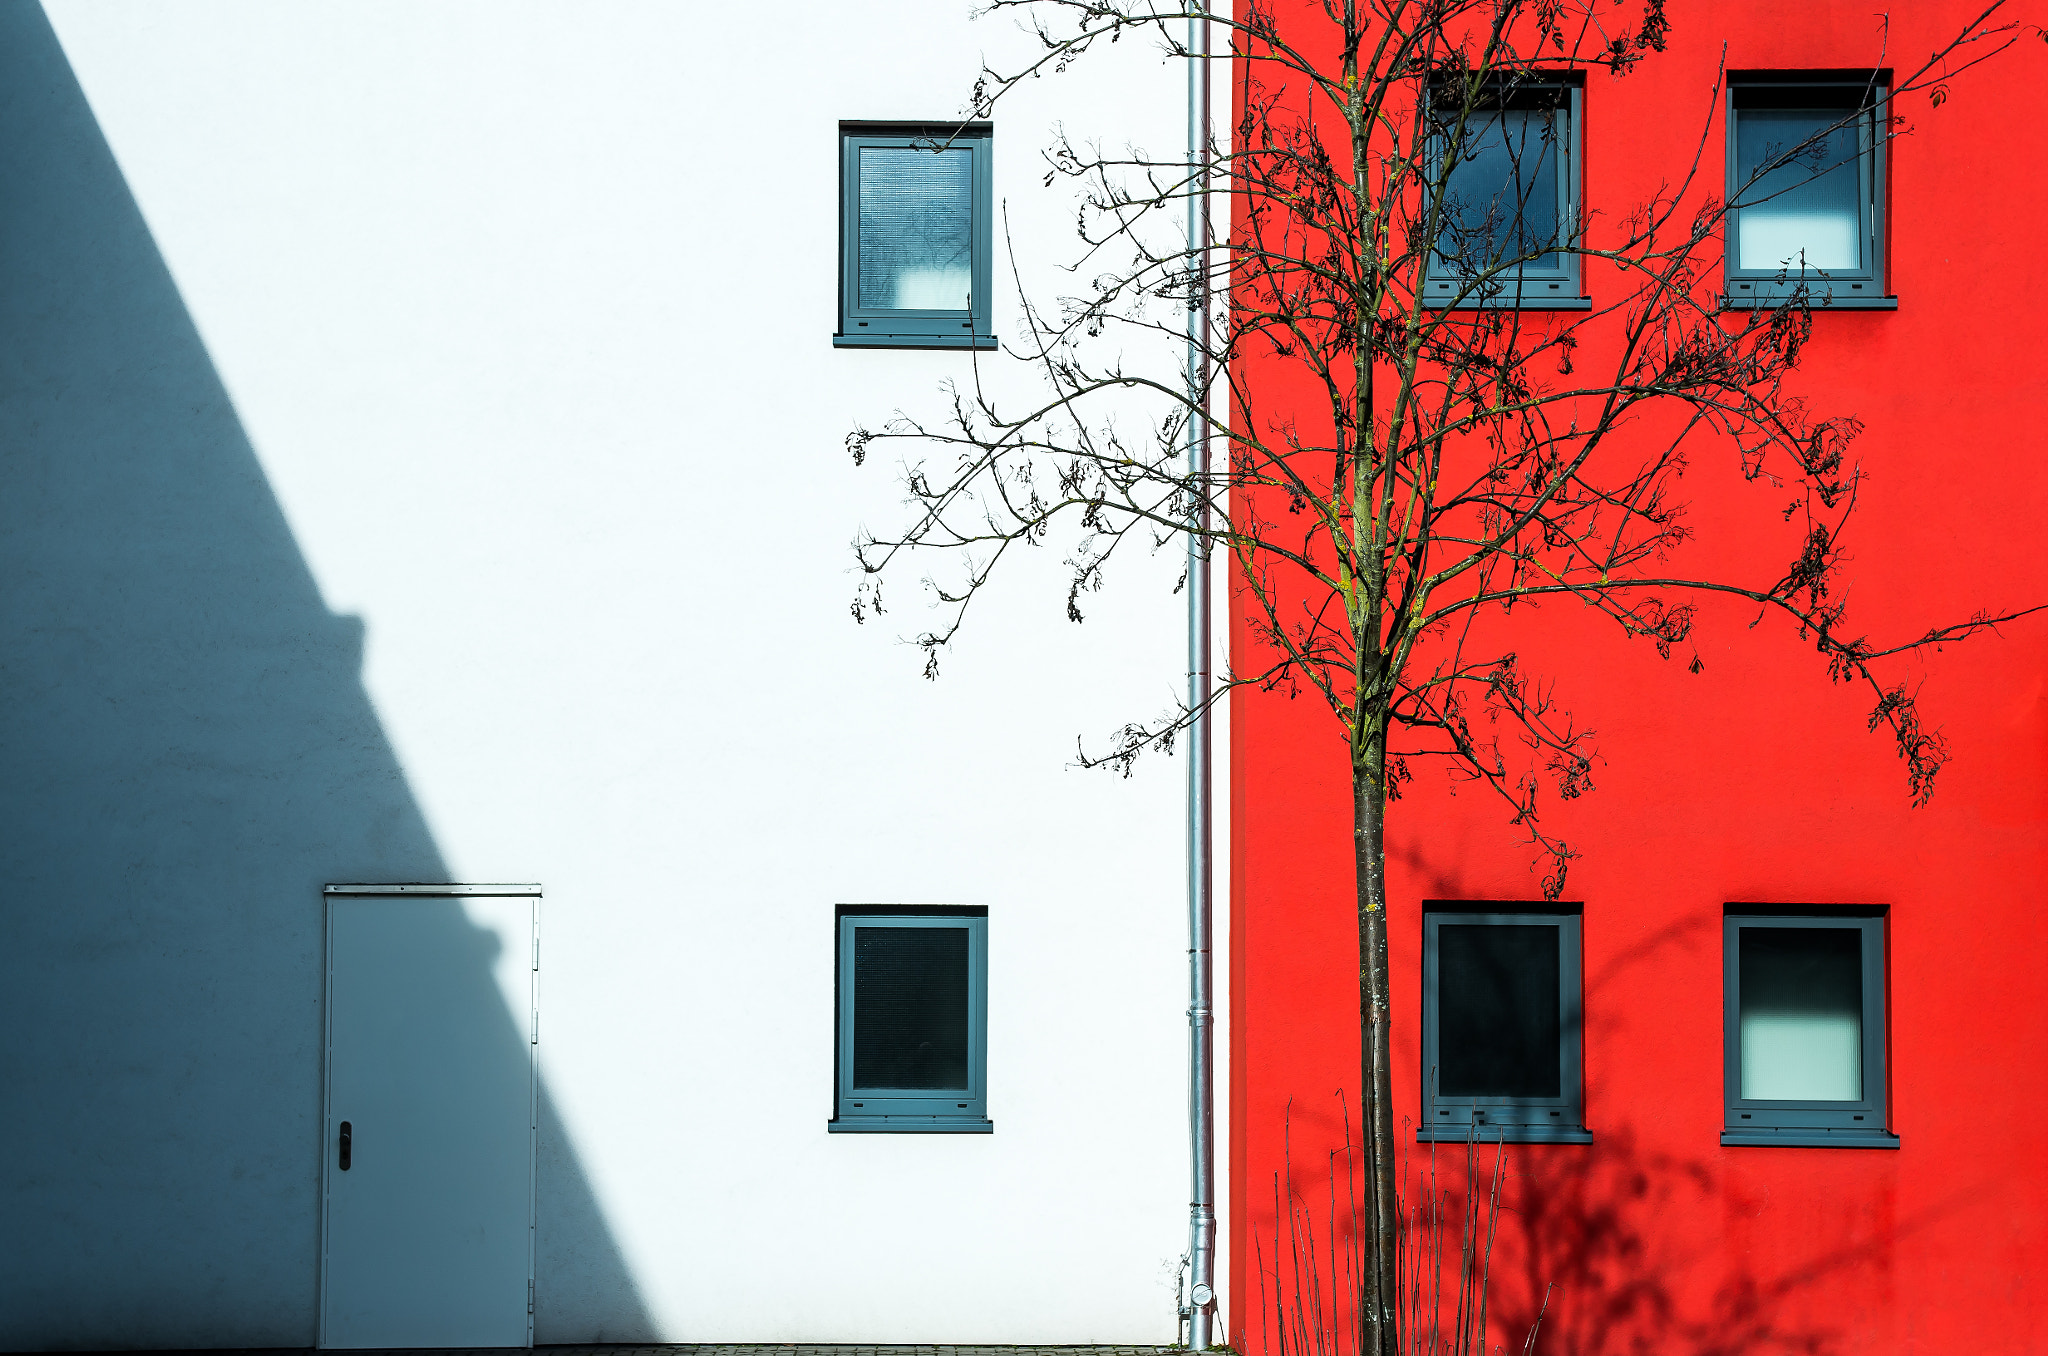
1753,781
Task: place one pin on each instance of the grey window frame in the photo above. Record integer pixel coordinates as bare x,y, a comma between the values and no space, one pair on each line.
1866,94
1515,1120
1559,289
910,1110
873,327
1758,1121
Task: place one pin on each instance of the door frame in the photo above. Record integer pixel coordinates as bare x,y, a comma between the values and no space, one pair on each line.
331,893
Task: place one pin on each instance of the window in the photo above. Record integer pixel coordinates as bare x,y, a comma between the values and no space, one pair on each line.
1806,188
1805,1030
913,1020
1510,200
1501,1047
914,219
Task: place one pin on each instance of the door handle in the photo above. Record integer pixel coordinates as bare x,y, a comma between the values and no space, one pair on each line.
345,1146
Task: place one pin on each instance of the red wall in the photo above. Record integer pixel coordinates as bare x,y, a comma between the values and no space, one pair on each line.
1753,781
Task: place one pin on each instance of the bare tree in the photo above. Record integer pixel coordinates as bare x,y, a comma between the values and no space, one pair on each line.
1403,448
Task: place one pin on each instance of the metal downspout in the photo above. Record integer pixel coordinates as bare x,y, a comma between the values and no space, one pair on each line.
1200,848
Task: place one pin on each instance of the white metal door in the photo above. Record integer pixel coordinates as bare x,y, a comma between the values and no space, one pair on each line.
431,1028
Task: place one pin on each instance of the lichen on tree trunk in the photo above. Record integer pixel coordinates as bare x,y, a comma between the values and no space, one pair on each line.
1380,1300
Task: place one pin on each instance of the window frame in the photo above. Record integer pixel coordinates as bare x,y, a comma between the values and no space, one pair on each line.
1559,289
909,1110
1865,93
878,327
1514,1120
1761,1121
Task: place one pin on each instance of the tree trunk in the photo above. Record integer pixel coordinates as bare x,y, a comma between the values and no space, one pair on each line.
1381,1298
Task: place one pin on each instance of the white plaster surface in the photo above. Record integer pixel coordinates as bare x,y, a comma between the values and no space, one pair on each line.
491,342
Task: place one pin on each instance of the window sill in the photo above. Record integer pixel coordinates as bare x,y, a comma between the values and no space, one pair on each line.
1501,1133
911,1125
1818,303
1811,1139
980,341
1558,303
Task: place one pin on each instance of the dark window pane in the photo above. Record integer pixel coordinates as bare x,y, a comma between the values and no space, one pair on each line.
910,1007
1498,1023
1500,203
916,228
1802,1014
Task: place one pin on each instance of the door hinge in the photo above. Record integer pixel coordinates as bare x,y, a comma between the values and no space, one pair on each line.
529,1294
536,1027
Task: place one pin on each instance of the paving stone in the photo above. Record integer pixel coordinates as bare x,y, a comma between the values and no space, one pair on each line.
739,1349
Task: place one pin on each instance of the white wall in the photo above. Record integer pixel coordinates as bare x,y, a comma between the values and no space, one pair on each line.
521,313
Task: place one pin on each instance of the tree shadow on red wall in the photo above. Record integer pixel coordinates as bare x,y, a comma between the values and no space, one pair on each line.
1604,1250
1625,1243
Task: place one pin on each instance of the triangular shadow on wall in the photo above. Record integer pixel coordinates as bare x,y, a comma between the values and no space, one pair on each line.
188,756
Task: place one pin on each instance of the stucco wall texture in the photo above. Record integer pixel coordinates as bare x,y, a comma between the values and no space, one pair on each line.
1753,781
424,461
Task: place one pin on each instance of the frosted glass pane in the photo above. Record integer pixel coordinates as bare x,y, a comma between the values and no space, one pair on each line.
1498,1021
1501,201
916,228
1807,211
1802,1014
910,1007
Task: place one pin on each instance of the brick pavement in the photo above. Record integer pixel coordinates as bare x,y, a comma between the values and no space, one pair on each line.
742,1349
